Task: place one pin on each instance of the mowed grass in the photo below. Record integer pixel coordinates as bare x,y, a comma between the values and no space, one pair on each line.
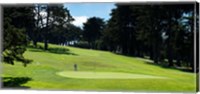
105,75
43,72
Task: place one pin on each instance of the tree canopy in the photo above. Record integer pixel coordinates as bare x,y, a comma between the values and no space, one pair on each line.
92,30
14,36
158,31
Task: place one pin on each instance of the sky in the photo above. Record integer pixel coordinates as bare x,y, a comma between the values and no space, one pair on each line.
82,11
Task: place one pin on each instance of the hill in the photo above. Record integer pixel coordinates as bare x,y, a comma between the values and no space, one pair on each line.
96,70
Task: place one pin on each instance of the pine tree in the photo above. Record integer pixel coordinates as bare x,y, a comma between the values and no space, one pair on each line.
16,27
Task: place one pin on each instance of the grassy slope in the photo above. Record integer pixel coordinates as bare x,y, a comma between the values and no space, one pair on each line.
46,64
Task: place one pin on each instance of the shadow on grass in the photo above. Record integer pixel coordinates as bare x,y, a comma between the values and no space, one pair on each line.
15,82
35,50
167,67
162,65
55,50
60,51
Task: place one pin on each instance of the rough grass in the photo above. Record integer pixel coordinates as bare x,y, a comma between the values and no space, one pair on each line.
42,72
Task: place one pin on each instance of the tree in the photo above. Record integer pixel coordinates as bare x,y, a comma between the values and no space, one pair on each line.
149,29
17,24
125,22
176,30
52,18
73,34
111,35
37,31
92,30
120,31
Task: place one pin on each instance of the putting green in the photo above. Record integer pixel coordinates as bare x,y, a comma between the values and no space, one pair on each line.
104,75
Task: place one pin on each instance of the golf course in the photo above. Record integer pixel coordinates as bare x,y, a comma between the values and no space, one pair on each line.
96,70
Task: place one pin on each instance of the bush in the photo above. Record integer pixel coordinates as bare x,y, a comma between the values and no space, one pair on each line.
100,45
82,44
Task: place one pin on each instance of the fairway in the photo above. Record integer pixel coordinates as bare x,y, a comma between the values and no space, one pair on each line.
97,70
105,75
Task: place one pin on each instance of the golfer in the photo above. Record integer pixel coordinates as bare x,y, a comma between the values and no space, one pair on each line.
75,67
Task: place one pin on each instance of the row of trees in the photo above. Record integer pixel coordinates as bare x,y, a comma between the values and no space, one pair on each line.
37,23
158,31
164,33
51,23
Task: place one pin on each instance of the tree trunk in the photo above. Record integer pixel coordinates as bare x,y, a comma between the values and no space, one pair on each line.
131,49
47,30
35,43
141,50
178,61
151,54
169,55
155,47
170,60
197,52
124,49
155,54
45,44
169,45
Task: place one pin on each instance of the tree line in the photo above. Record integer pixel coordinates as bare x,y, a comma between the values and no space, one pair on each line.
164,33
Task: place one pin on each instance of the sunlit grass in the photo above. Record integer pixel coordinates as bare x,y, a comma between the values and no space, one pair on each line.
46,64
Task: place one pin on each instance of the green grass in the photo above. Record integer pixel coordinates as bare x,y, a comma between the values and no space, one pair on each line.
105,75
43,72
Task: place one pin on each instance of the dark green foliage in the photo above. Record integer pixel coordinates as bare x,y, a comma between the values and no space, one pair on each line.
92,30
158,31
54,25
82,44
14,34
73,33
